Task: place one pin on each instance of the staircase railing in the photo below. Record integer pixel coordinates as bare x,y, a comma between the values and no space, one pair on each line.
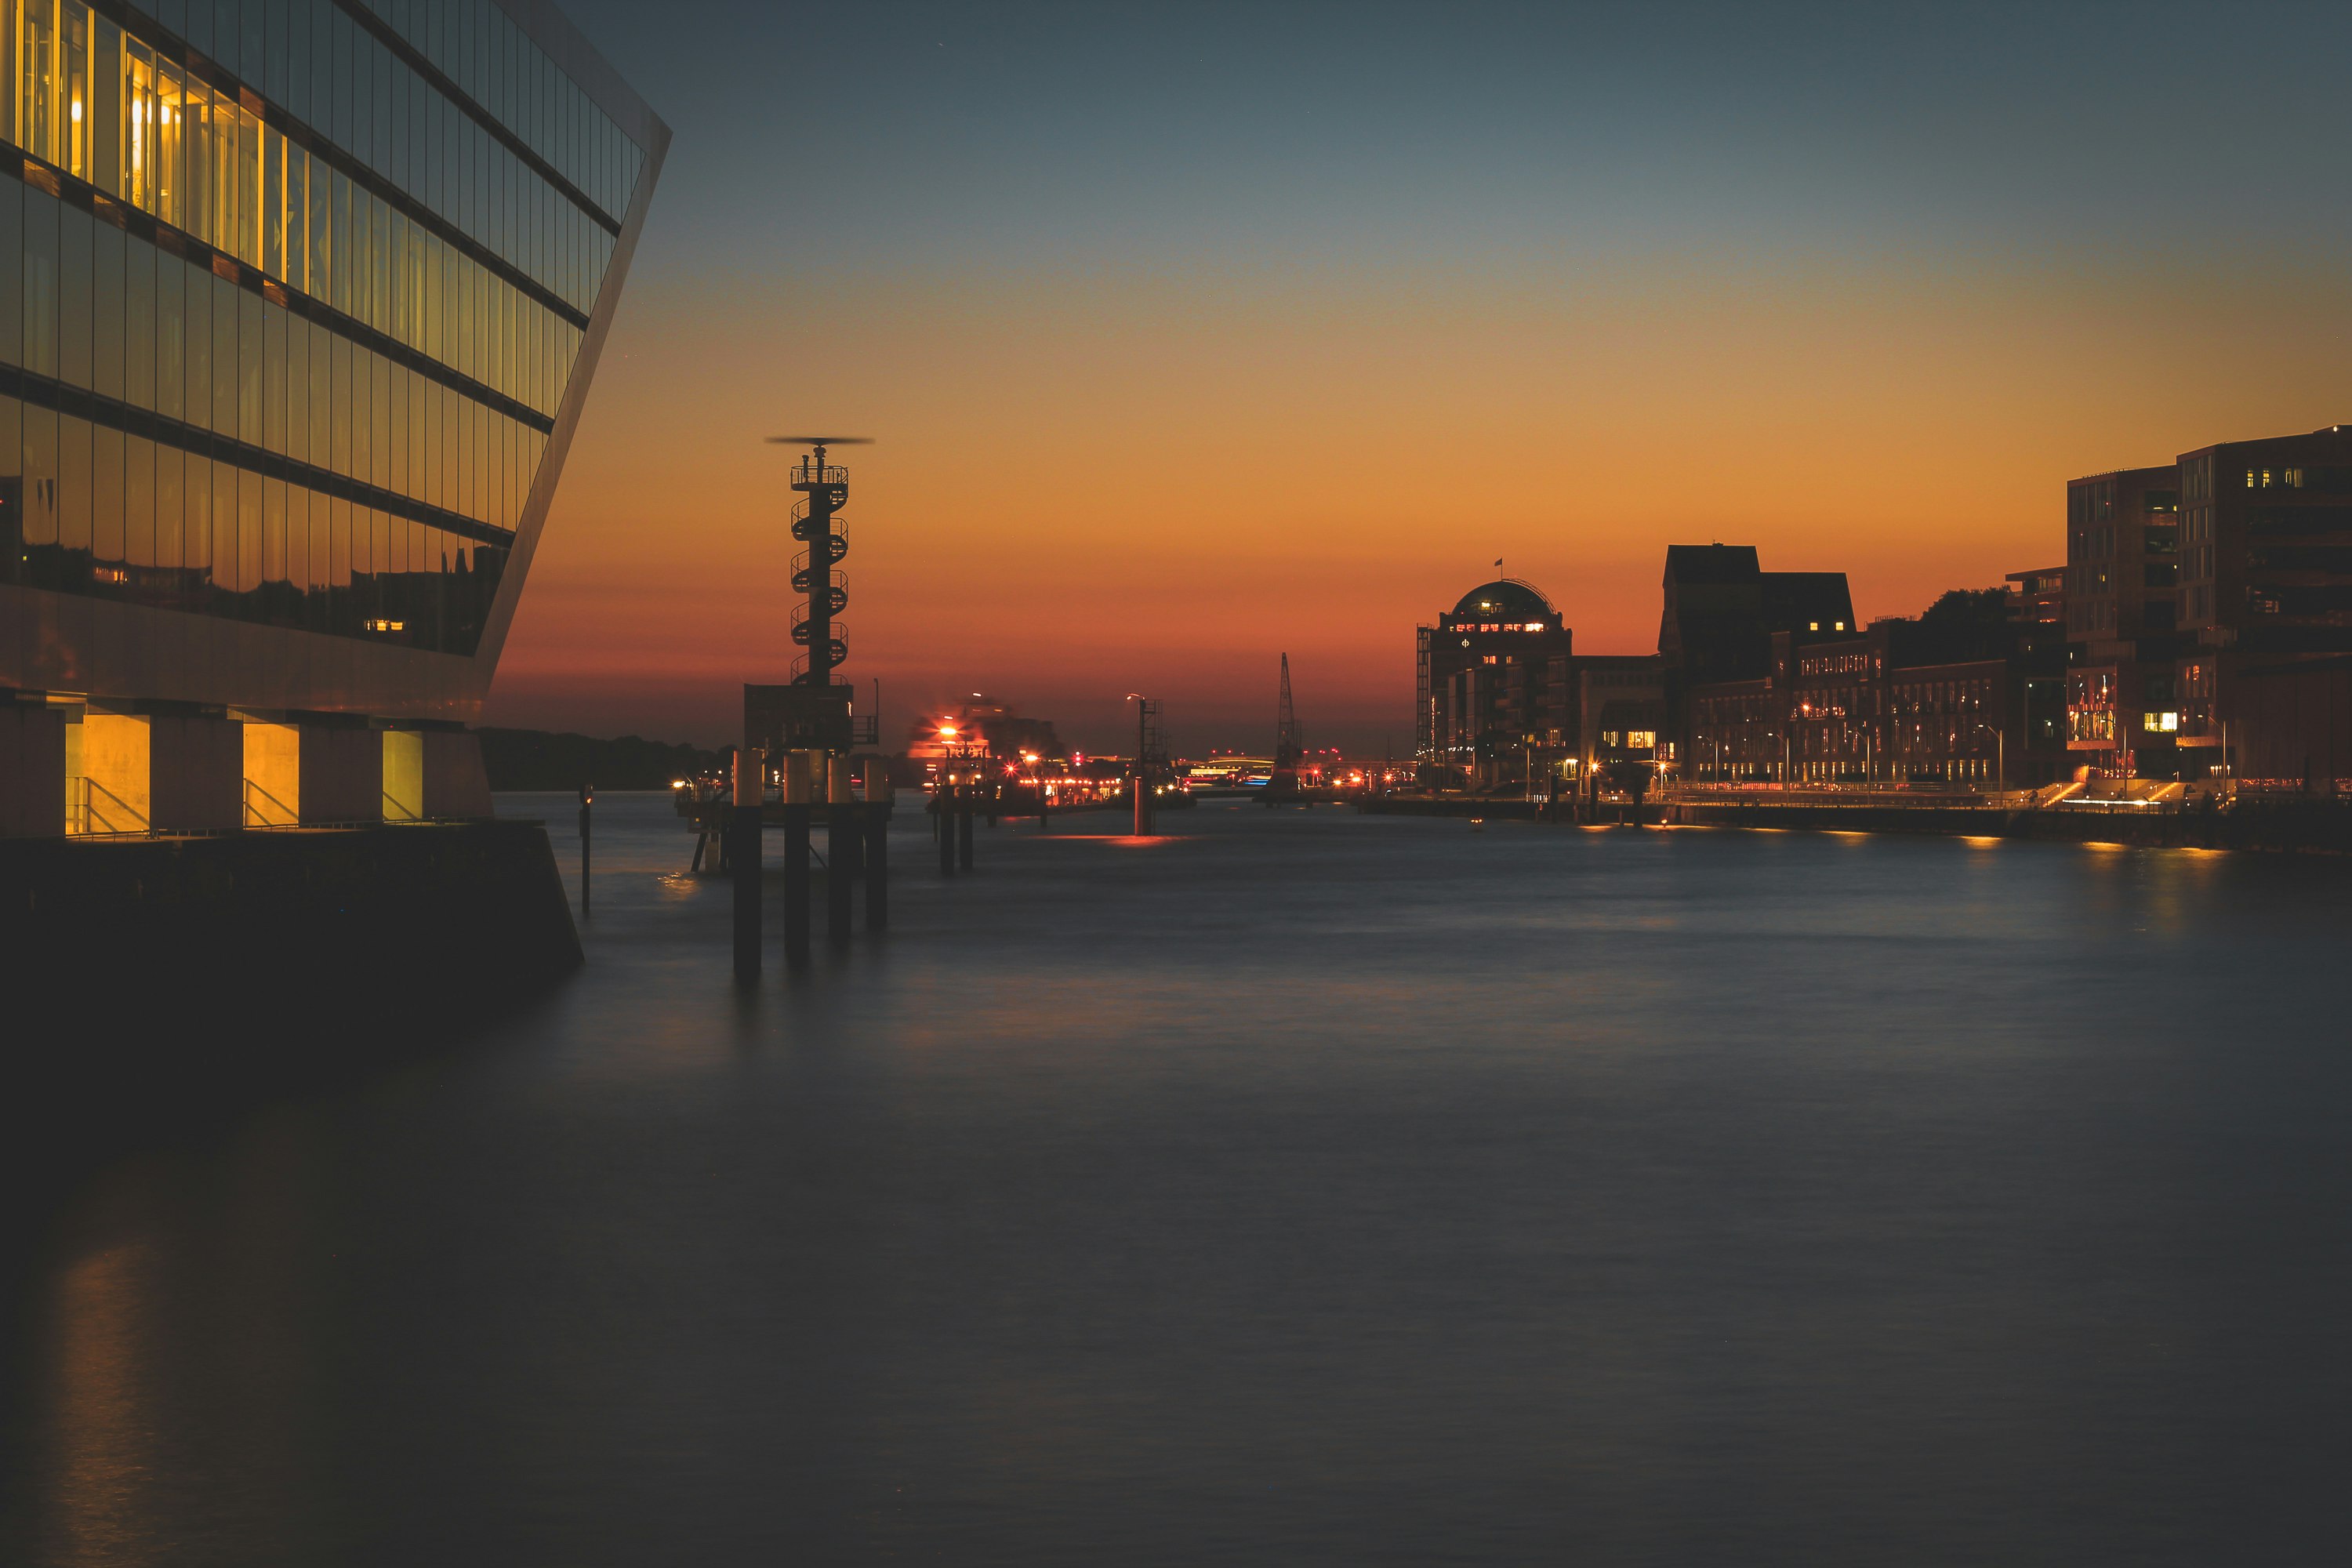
263,809
105,812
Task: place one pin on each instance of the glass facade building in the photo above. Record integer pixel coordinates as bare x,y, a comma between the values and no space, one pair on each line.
299,302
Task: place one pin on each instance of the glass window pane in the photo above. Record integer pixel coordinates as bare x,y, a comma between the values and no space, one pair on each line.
73,497
226,580
13,566
41,288
170,509
12,284
139,514
139,323
108,309
198,338
40,432
108,556
227,333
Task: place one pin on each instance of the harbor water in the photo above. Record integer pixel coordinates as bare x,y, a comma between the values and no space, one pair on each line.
1294,1187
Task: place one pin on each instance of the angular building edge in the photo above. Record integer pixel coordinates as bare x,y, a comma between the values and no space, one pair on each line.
554,31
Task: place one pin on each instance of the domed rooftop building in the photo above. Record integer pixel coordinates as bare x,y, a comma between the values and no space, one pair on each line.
1504,701
1491,677
1506,599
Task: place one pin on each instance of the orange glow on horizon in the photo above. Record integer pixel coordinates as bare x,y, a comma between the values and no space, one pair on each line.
1086,486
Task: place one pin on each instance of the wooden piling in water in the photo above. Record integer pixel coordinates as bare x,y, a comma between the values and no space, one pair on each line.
840,832
798,796
743,854
878,843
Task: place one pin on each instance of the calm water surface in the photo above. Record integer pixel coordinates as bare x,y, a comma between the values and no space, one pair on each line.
1297,1188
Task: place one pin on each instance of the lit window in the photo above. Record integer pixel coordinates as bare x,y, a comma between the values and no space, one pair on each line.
1812,625
2161,723
1841,626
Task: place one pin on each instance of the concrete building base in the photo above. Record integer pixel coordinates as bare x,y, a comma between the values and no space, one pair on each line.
32,771
145,961
341,776
456,782
196,774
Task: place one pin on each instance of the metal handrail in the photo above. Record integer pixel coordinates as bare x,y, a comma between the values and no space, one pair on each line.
1828,794
807,472
254,817
91,816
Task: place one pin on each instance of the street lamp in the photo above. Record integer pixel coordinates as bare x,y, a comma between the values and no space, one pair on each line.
2001,753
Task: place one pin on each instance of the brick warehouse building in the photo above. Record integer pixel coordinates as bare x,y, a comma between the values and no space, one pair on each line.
1720,620
1904,701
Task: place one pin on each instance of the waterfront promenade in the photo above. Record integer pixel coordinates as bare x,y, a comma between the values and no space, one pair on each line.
1299,1187
2154,816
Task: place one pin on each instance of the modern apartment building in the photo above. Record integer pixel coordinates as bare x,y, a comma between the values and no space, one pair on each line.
300,302
2233,565
2122,602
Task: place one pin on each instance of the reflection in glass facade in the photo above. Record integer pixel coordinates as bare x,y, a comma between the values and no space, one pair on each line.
291,293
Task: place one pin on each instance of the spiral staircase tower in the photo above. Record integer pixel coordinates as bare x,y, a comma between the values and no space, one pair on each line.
816,524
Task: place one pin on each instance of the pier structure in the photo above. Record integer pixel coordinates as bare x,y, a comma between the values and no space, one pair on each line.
799,765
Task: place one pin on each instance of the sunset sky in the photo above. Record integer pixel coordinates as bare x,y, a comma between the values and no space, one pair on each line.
1192,334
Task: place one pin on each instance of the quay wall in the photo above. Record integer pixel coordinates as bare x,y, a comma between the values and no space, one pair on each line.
2281,826
2286,825
1497,810
183,959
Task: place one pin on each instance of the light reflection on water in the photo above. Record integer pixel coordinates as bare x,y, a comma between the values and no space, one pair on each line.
1308,1188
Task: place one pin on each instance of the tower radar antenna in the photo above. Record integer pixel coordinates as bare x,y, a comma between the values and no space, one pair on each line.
820,443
